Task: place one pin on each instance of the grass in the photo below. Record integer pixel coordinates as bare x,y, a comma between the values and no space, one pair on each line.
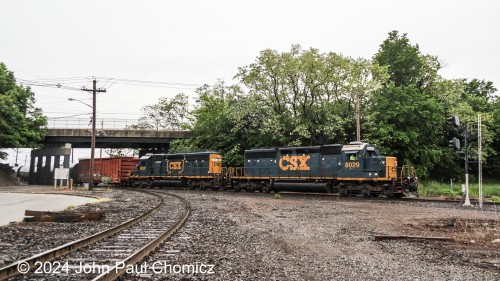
70,208
432,188
277,196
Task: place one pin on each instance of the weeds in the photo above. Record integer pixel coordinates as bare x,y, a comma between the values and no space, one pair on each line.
495,198
432,188
70,208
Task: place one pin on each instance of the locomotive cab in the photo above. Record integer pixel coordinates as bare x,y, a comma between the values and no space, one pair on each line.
361,161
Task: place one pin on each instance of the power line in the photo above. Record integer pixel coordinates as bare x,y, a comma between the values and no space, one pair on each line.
50,85
60,83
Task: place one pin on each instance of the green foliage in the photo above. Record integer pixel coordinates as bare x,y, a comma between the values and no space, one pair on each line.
406,123
121,152
21,123
277,196
405,64
495,198
167,114
308,96
434,188
183,146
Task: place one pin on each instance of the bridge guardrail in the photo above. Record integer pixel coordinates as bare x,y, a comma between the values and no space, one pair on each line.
85,123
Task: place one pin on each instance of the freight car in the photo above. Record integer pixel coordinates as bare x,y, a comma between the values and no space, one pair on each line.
194,170
356,168
114,171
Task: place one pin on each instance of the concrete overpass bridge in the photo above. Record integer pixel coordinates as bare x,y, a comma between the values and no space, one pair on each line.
60,141
114,138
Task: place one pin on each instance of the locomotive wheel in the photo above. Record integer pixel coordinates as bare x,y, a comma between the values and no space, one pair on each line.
343,191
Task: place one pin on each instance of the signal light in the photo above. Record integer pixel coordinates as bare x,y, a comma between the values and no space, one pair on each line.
455,143
453,120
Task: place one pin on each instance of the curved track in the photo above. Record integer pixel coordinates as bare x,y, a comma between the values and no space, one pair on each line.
125,244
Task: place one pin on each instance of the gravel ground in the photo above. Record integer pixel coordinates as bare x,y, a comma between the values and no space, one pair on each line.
302,237
22,240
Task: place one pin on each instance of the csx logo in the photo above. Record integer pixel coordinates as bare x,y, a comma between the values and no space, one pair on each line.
294,163
175,165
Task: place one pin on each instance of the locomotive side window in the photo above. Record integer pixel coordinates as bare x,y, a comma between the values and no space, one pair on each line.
352,157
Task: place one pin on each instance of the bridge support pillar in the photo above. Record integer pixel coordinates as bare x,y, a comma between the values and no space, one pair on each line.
44,172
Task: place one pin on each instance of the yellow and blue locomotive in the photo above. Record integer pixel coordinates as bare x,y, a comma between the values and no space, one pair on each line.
356,168
199,169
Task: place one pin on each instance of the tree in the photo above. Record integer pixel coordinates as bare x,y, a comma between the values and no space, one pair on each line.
122,152
310,96
21,123
407,124
167,114
406,116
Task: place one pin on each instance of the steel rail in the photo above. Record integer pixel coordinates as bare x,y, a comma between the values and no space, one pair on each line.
49,255
114,272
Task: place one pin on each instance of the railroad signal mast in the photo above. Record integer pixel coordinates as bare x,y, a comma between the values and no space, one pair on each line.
455,144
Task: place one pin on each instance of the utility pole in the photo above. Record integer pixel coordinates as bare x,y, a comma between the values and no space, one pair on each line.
480,159
94,91
358,119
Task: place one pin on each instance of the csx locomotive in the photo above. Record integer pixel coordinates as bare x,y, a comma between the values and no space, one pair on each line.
355,168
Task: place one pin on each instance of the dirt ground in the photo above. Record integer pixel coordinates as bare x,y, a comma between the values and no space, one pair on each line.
255,237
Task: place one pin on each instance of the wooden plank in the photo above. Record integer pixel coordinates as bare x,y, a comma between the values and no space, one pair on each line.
41,216
400,237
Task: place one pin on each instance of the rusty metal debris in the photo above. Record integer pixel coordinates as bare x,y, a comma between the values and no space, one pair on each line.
40,216
451,222
399,237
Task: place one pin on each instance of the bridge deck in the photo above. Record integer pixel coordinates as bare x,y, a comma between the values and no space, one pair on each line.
80,138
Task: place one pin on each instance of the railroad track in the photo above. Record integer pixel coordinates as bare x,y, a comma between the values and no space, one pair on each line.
108,254
328,196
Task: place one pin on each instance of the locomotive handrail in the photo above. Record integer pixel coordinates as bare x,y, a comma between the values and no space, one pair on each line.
236,171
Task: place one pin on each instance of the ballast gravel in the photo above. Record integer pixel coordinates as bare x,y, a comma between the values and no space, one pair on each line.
253,236
311,237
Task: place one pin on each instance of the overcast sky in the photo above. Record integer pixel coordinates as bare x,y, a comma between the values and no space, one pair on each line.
188,43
